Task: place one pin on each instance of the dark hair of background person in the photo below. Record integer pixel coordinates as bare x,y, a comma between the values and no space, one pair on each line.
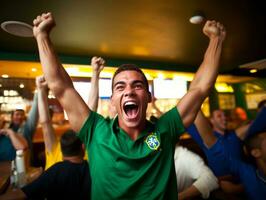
70,144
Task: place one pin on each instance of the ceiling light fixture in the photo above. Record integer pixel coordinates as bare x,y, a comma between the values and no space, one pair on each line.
17,28
197,18
21,85
253,71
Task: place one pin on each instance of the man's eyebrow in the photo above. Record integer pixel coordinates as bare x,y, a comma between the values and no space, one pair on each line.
119,82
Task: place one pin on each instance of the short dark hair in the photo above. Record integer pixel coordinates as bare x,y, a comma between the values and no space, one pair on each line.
253,141
130,67
70,144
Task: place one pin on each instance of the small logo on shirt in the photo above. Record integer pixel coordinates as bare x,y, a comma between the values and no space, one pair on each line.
152,142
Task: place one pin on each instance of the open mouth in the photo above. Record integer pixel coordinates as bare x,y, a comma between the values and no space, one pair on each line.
131,109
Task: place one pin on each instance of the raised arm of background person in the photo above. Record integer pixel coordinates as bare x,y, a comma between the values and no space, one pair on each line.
32,120
97,64
258,125
45,119
205,130
18,141
189,193
57,78
206,75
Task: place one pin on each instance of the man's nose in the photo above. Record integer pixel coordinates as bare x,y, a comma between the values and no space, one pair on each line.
129,91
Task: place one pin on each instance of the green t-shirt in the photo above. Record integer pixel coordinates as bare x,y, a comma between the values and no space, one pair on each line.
125,169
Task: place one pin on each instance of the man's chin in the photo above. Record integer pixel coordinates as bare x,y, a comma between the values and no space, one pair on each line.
132,123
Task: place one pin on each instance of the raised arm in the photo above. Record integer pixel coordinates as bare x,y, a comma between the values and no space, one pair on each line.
57,78
45,119
32,120
205,130
206,75
18,141
97,64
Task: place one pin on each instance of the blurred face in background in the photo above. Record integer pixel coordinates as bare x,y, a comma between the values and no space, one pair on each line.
18,117
218,121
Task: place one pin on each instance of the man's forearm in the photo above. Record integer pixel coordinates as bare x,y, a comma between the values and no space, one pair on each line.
207,73
18,141
43,106
94,92
189,193
54,72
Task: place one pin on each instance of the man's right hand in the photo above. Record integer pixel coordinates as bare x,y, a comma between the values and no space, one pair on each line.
43,24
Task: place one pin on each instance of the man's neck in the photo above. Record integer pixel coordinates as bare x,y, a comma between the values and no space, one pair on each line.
221,131
133,132
74,159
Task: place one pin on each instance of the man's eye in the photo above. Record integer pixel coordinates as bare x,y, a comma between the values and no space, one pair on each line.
138,86
119,87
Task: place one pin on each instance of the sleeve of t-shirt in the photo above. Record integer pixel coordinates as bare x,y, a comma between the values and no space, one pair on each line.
54,156
86,132
194,166
194,133
172,121
258,124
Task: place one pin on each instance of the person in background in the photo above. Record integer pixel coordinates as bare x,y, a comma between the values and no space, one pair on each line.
252,175
130,158
258,123
52,146
68,179
26,127
214,139
10,142
194,178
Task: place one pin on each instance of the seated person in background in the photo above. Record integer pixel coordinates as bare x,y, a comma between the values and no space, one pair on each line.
193,177
11,141
69,179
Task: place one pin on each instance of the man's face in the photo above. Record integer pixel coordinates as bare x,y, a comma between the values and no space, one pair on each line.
130,98
18,117
218,120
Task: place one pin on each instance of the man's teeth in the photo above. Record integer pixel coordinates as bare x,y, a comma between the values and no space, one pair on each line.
130,104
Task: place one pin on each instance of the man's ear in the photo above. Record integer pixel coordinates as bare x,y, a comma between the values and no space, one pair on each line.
256,153
111,100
